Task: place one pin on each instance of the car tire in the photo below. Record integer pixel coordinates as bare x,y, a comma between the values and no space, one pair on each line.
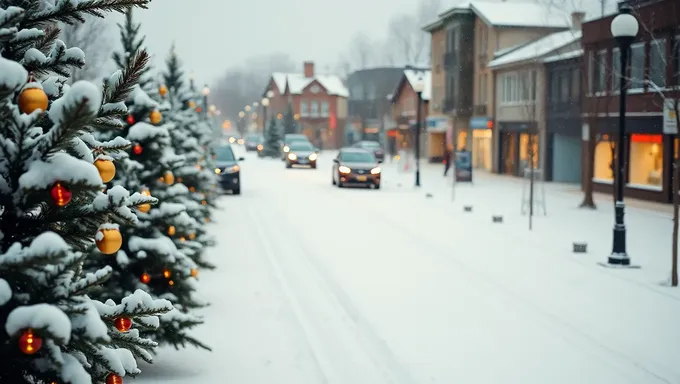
289,165
314,166
236,191
377,186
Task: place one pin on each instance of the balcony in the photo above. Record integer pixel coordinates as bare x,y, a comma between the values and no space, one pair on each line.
479,110
450,59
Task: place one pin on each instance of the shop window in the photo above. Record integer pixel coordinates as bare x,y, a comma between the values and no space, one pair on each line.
646,161
462,140
528,152
604,160
637,66
616,70
657,62
481,148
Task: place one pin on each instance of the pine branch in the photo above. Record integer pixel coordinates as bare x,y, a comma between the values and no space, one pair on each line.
72,125
69,13
131,76
48,40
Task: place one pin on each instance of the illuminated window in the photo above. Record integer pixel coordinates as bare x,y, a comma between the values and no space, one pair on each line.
646,161
604,157
527,152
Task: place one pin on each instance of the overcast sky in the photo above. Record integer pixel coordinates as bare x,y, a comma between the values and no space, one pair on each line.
212,35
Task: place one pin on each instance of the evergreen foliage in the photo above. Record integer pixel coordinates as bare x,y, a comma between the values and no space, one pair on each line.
272,140
132,43
289,123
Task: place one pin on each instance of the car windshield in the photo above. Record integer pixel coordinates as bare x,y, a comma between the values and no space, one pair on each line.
301,146
357,157
370,144
224,154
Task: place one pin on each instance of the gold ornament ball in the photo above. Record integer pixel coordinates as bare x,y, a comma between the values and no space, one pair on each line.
31,99
192,236
111,241
106,168
163,90
194,272
144,208
192,104
155,117
171,230
169,178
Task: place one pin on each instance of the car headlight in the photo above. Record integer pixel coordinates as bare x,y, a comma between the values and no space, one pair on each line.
375,171
231,140
218,171
344,169
233,169
292,156
240,141
286,149
260,147
313,156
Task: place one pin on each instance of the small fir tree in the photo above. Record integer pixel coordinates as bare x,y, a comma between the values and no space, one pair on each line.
132,43
289,123
173,76
272,140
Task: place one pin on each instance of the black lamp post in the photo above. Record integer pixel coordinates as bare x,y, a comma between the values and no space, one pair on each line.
418,88
265,104
624,28
206,92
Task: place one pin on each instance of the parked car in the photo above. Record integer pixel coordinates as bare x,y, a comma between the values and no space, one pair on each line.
235,139
356,166
372,146
301,153
290,138
253,140
228,169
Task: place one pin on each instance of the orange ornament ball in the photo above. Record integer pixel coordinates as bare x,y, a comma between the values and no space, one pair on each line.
171,283
112,378
167,273
192,236
162,90
194,272
172,230
106,168
109,241
29,342
169,178
155,117
31,99
144,208
123,324
145,278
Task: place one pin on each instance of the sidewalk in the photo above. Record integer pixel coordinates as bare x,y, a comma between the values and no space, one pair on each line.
649,225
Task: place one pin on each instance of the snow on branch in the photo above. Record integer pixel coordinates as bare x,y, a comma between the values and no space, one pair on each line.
72,11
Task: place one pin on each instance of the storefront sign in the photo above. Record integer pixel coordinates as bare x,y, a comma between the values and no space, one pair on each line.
480,122
463,165
437,124
670,121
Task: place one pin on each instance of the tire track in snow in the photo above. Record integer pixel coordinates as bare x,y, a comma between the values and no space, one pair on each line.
374,348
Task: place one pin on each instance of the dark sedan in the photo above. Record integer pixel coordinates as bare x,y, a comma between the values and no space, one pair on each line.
253,140
301,153
356,166
371,146
226,166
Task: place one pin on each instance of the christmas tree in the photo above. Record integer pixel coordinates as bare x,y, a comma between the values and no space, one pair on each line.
151,256
132,44
289,123
54,208
272,140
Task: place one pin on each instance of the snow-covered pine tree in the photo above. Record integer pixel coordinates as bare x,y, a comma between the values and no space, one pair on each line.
149,258
191,138
54,208
272,140
289,122
132,43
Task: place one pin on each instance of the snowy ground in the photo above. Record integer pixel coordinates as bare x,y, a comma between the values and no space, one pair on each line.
346,286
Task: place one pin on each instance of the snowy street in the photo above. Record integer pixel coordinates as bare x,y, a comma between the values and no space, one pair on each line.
317,284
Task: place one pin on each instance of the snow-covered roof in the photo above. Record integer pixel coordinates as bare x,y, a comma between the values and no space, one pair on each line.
537,48
508,13
297,82
412,76
564,56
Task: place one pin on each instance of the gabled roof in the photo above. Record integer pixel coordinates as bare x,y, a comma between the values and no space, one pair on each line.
537,48
297,82
410,76
507,13
564,56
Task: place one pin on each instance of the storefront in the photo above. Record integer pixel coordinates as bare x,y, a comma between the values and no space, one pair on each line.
436,137
482,142
650,155
563,154
517,147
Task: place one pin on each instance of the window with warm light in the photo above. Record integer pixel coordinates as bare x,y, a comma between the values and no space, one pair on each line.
324,109
646,161
526,152
315,109
304,109
604,156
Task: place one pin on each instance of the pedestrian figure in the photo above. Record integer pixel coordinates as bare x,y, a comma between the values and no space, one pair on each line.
447,160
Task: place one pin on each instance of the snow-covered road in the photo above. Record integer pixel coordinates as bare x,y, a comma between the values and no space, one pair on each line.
349,286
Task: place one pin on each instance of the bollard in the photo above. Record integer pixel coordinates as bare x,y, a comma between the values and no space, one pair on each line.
497,219
580,247
428,195
467,208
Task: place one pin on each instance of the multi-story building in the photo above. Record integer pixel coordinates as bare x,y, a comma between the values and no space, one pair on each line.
465,39
318,101
654,75
405,113
369,106
521,99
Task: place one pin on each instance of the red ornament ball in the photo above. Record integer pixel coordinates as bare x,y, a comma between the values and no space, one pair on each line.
137,149
60,194
145,278
29,342
123,324
130,120
112,378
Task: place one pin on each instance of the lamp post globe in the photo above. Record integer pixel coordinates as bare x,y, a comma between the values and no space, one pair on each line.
206,91
625,26
265,102
241,114
247,108
256,104
270,94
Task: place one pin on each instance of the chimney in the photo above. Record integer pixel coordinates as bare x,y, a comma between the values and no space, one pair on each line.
309,69
577,20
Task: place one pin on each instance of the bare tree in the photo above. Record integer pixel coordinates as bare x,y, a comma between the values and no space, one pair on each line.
407,43
362,51
92,37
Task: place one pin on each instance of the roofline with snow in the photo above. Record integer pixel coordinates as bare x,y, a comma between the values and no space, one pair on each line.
458,10
526,61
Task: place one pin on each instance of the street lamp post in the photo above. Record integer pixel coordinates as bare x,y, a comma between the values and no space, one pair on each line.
265,104
206,92
624,28
418,88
